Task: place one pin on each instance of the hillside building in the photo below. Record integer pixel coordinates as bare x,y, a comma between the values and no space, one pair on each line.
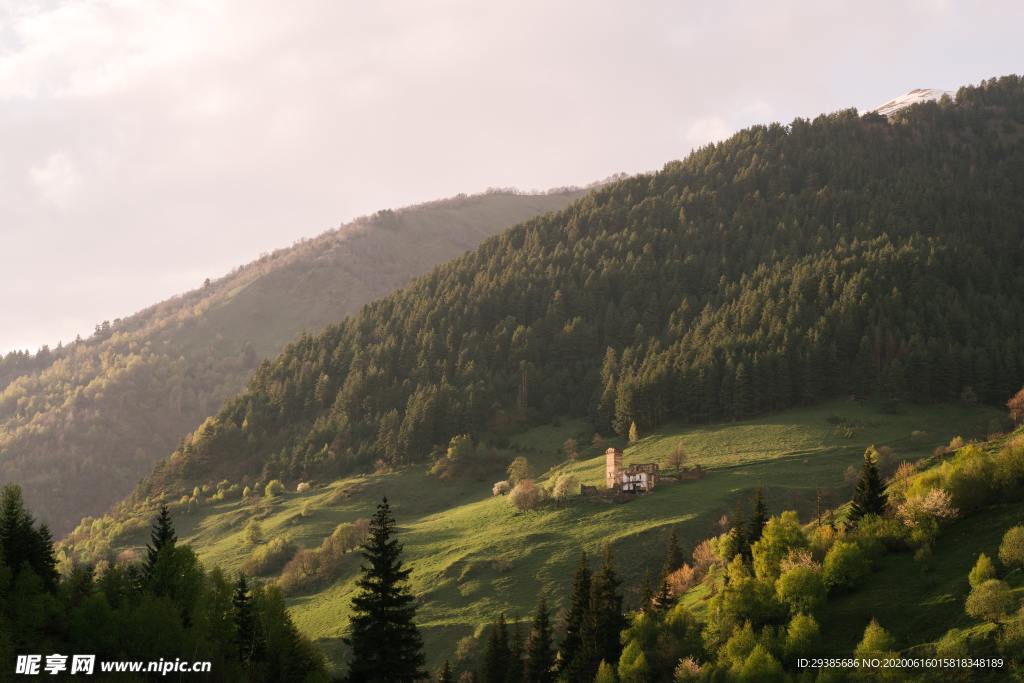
636,478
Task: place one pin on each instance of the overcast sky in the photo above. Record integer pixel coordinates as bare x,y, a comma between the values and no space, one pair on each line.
147,145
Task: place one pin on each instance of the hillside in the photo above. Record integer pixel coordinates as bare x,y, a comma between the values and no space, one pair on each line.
847,256
473,555
81,424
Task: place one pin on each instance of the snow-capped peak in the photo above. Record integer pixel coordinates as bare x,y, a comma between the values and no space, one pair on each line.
913,97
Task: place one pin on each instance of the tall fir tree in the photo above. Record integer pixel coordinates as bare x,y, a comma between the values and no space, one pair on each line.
759,517
516,654
496,657
869,497
674,557
161,536
386,645
570,663
446,674
247,636
664,600
740,533
604,620
540,651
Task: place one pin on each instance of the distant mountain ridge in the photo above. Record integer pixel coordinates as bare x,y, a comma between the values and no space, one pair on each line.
916,96
79,425
847,255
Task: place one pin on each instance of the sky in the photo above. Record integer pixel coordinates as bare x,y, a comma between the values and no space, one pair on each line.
147,145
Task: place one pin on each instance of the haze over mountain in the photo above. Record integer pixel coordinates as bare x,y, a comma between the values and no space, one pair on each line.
79,425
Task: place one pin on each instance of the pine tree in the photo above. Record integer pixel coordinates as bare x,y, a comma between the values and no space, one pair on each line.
446,674
516,665
246,634
869,497
386,645
647,594
570,661
674,557
759,518
161,536
740,533
604,620
664,600
540,653
496,657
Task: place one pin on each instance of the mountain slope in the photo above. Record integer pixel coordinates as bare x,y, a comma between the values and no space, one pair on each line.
916,96
847,255
79,425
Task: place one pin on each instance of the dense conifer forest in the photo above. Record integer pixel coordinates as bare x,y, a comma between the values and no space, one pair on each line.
849,255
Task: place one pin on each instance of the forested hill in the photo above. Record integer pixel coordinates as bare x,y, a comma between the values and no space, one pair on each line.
82,424
848,255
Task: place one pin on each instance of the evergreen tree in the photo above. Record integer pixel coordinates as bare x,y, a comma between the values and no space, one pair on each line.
446,674
663,601
604,620
247,637
386,645
161,536
540,653
674,557
759,517
740,534
869,497
516,651
570,661
497,655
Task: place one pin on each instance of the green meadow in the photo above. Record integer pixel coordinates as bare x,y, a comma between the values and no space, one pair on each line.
474,556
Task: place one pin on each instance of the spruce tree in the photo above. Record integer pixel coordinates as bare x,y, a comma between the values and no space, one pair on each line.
604,620
740,533
386,645
496,657
516,648
759,517
446,674
247,637
161,536
674,557
869,497
540,652
570,661
663,601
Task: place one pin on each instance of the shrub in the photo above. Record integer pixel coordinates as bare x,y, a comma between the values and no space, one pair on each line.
302,487
1011,550
781,535
500,488
310,568
680,580
877,642
274,488
802,589
845,566
269,558
802,637
982,571
566,485
952,645
253,533
525,495
519,470
989,600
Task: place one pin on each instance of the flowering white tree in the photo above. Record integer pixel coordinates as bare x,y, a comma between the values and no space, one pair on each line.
927,509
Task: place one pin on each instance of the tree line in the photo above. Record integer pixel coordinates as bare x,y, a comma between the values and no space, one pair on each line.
848,255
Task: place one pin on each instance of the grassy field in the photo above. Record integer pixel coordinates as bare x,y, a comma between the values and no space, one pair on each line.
920,606
474,556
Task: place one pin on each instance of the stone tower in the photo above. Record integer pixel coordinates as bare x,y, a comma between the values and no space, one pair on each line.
612,467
